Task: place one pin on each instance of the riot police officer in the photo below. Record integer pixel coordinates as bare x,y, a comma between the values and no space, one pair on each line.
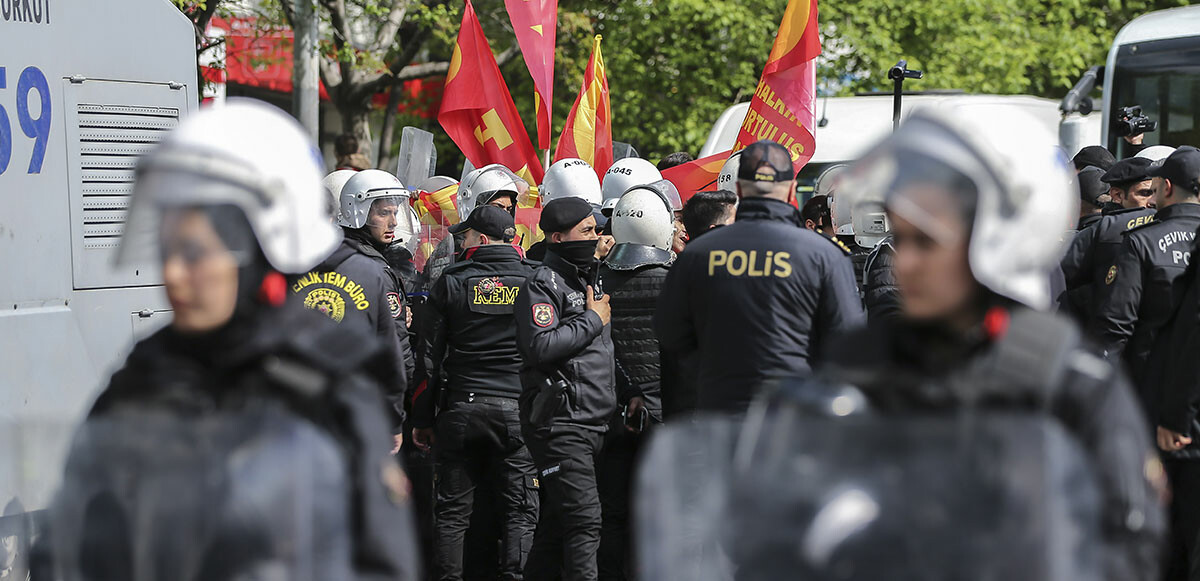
1093,250
971,262
633,274
568,178
756,299
568,394
490,185
1173,370
247,438
355,285
474,366
1142,288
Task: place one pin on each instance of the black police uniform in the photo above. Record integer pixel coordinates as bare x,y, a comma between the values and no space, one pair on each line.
1091,253
633,275
755,300
1089,220
219,423
356,286
1142,288
1021,361
881,296
475,366
567,401
858,256
1174,368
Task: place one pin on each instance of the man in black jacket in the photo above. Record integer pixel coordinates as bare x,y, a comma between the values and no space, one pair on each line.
633,274
1142,289
1175,405
881,296
568,394
356,286
474,365
756,299
1093,250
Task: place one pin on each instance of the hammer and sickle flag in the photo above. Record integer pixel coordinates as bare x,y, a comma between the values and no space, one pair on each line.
477,110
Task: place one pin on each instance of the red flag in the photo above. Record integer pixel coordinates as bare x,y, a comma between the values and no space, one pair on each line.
696,176
477,110
536,24
783,104
588,132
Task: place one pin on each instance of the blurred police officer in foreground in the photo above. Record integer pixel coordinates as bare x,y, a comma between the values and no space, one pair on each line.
633,274
475,365
756,299
568,395
1093,250
245,440
976,210
1142,288
1173,371
355,285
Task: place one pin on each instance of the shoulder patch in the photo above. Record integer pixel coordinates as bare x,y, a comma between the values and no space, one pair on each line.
543,314
395,305
1112,275
1140,223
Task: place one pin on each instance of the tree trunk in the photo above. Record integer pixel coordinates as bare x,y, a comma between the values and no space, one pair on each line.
355,120
387,135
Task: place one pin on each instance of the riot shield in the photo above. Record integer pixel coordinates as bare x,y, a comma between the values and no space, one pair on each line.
788,495
254,494
417,157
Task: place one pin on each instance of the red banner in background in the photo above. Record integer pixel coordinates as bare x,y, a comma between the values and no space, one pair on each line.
477,110
535,23
783,103
696,176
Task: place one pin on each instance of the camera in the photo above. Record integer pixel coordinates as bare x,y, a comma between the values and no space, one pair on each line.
1130,121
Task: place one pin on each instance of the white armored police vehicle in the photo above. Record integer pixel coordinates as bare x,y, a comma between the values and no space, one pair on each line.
86,86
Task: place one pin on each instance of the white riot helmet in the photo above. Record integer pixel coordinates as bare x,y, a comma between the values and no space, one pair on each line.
244,154
370,185
571,178
1156,152
483,184
333,184
727,179
436,183
827,185
644,216
625,174
1006,173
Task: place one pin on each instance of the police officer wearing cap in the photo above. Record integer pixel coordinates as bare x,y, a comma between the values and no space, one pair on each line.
1143,288
756,299
1093,249
1174,370
1093,196
475,366
568,394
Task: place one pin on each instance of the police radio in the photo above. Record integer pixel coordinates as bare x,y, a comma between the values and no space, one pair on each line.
597,285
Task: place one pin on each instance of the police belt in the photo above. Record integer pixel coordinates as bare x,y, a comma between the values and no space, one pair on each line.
472,397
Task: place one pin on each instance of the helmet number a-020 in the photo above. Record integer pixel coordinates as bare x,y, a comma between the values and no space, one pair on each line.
628,213
35,128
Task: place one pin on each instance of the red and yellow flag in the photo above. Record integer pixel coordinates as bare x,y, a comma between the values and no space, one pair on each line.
438,208
696,176
588,132
536,24
783,104
477,110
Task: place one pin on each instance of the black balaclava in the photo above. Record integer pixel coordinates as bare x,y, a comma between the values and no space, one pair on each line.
580,253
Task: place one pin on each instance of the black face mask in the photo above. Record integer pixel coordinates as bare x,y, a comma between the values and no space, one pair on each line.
581,253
